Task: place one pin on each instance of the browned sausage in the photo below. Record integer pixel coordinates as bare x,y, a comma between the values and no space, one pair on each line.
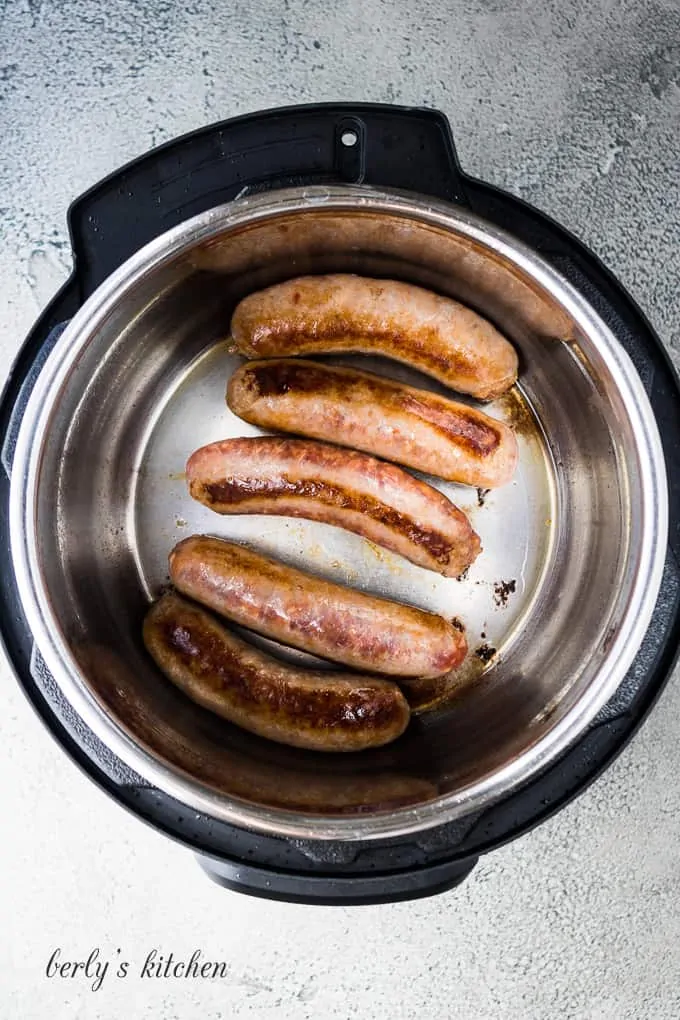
301,478
307,612
337,784
381,416
316,709
343,313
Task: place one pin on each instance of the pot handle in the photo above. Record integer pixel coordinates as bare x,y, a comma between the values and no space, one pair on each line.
400,147
337,889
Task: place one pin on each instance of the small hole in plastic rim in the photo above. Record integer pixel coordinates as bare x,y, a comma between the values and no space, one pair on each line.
349,138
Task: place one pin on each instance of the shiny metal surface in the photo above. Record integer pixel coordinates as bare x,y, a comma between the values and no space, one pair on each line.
98,498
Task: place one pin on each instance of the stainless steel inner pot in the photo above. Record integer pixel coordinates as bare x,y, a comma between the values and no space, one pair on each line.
556,606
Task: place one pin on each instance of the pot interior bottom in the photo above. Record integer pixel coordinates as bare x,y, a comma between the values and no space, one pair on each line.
516,523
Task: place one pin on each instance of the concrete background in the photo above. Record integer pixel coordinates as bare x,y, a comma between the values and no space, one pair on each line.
575,107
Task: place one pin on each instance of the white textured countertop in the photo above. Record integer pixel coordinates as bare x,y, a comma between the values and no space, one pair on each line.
575,109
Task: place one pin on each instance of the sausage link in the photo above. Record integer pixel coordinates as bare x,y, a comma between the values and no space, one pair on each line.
317,616
353,314
380,416
314,709
281,778
302,478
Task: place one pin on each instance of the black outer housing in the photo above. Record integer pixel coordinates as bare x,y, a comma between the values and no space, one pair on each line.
396,147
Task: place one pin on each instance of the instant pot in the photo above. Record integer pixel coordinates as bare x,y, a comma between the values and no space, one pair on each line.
572,613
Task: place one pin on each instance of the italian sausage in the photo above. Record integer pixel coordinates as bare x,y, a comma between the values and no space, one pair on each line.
315,709
301,478
380,416
283,777
307,612
353,314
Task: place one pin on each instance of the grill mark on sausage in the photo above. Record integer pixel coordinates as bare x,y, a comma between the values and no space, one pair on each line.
479,437
239,490
276,378
218,666
280,377
336,332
